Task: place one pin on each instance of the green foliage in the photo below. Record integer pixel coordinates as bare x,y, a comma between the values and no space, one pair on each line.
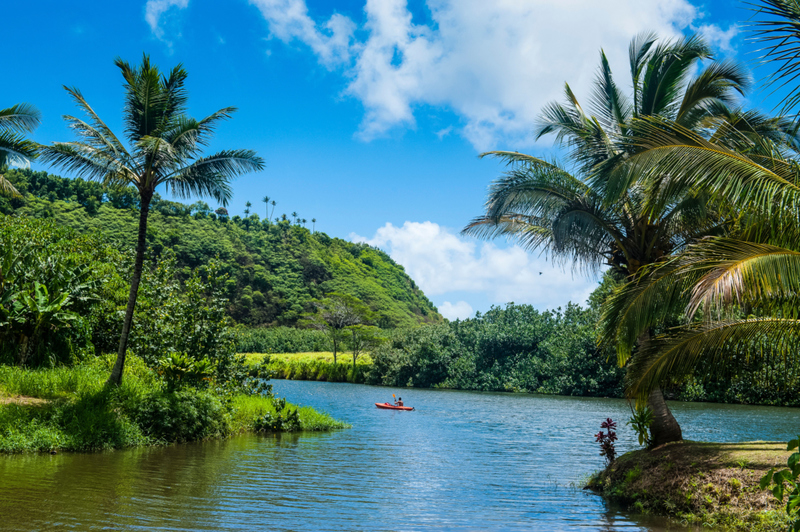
785,481
640,422
50,279
182,415
281,340
285,419
336,315
516,348
79,413
180,370
275,270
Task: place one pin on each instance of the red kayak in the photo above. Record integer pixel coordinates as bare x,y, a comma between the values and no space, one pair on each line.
387,406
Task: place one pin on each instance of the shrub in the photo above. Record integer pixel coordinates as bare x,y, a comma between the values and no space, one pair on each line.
184,415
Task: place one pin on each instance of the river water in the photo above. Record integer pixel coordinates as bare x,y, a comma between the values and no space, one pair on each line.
460,461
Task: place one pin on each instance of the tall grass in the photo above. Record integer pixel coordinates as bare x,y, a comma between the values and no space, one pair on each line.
81,414
315,366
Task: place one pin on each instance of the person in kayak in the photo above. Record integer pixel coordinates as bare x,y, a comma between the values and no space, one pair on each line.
399,402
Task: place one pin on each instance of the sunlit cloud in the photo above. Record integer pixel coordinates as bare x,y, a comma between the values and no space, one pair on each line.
441,262
492,64
456,311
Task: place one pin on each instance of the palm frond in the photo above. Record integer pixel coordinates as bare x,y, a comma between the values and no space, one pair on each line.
22,117
16,150
653,294
675,158
95,131
665,73
740,272
210,176
608,102
90,163
710,91
778,29
675,355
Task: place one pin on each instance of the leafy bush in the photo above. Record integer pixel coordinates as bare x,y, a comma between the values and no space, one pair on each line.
516,348
283,420
183,415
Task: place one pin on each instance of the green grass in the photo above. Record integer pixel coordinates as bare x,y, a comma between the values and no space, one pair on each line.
248,407
70,409
316,366
705,484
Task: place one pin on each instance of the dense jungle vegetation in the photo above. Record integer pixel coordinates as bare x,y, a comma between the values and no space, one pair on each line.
275,268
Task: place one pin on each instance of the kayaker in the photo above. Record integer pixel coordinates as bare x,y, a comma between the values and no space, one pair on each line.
399,401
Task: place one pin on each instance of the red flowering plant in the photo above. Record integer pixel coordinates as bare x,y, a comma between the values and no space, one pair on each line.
606,440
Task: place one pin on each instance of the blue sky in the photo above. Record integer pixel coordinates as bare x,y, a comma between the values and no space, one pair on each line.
370,114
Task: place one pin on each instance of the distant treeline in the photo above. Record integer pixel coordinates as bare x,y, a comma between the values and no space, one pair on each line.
276,268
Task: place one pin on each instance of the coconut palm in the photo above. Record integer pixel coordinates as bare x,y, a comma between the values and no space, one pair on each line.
753,163
14,147
164,147
313,224
601,215
265,200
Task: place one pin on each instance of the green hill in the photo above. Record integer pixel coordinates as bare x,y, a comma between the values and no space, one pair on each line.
276,268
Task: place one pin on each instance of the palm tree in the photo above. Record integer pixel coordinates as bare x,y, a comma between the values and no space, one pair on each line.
14,148
313,224
247,208
265,199
294,215
746,283
164,148
602,215
273,207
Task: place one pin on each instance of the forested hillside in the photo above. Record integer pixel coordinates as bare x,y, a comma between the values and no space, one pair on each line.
276,268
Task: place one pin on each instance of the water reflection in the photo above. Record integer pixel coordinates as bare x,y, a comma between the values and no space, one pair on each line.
462,461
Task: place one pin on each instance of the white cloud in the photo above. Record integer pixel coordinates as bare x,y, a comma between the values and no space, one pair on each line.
289,20
456,311
493,64
442,262
719,38
155,9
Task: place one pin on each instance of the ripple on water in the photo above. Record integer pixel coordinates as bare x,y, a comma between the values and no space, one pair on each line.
461,461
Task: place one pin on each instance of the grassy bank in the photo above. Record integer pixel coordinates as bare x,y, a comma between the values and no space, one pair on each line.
316,366
70,409
706,484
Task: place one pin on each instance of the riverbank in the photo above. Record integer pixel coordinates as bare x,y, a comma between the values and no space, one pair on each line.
705,484
314,366
70,409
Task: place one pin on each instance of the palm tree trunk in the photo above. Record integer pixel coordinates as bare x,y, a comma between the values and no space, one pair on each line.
141,245
664,428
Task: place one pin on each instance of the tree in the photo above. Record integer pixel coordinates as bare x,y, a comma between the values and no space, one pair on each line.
604,215
363,338
265,199
273,207
247,208
165,148
14,148
335,314
744,284
313,224
294,215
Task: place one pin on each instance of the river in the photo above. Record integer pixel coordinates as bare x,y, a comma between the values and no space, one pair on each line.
460,461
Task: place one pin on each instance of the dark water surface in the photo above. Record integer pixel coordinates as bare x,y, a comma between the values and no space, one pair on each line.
461,461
